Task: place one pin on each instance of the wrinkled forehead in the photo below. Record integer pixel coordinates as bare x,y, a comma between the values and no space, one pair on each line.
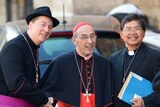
85,29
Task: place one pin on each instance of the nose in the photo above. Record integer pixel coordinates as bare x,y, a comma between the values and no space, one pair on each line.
47,29
133,31
90,40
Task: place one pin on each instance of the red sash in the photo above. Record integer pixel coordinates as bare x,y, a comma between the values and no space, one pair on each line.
83,103
61,104
87,101
6,101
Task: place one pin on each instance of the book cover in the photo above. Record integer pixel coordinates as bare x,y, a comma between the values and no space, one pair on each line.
135,86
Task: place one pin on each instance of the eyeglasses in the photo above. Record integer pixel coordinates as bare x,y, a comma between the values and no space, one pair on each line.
85,38
134,29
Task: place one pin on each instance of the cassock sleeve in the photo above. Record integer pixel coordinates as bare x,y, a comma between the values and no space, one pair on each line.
153,99
156,88
16,77
48,80
108,87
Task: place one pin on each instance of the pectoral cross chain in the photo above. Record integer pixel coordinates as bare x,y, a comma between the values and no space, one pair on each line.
87,96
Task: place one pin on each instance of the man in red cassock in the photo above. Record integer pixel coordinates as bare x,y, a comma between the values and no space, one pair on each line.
80,78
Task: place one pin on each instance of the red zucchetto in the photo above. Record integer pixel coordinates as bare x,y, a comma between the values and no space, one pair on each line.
80,24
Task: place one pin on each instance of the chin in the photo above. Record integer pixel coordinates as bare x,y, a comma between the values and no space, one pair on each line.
43,39
89,52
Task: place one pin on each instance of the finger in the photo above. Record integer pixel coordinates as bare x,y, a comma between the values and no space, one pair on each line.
134,101
51,100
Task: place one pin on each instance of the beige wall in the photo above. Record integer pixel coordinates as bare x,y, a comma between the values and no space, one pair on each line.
2,12
97,7
56,6
100,7
151,8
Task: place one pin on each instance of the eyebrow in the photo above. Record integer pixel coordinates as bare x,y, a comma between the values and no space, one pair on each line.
132,27
87,34
45,23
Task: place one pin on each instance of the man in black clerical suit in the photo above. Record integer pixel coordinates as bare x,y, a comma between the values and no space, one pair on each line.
19,70
136,57
80,78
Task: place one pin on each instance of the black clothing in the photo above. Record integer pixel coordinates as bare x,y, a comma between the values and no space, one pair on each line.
145,64
17,71
156,88
63,81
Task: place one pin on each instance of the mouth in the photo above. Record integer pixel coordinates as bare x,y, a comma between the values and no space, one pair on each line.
44,35
133,38
90,47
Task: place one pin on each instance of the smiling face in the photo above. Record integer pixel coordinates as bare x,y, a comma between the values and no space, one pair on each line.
132,34
85,40
40,29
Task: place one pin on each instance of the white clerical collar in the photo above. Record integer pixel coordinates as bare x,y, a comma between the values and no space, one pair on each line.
87,57
131,53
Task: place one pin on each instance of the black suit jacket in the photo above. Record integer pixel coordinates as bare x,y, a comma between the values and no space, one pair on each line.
145,64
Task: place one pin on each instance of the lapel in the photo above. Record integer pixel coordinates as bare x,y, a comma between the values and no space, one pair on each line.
139,58
121,63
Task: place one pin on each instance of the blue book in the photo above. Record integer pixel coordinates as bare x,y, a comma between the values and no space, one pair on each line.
135,86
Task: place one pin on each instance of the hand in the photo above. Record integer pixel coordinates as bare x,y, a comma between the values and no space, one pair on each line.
49,103
138,102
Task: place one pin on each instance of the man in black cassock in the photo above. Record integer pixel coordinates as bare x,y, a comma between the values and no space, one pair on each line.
136,57
80,78
19,70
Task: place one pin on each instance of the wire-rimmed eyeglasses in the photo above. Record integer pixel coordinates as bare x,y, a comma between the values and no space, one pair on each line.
85,37
134,29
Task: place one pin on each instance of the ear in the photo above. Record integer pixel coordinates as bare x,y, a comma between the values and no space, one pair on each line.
144,34
30,24
74,40
120,33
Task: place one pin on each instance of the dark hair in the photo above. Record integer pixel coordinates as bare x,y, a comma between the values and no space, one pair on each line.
131,17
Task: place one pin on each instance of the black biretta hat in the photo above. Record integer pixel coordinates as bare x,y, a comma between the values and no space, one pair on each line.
42,11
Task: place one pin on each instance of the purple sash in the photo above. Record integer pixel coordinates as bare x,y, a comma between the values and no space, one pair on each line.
6,101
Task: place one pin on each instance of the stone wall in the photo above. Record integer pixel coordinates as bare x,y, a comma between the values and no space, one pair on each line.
2,12
93,7
101,7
